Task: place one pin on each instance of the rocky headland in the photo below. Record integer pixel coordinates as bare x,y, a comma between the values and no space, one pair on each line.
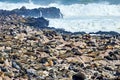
30,52
50,12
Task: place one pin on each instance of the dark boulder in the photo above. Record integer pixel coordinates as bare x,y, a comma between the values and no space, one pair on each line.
79,76
43,60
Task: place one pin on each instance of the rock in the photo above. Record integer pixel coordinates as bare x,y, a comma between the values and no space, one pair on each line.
90,43
49,63
1,60
8,74
66,37
73,59
86,36
2,48
6,78
46,49
76,52
93,54
109,47
43,73
50,34
107,33
43,60
76,67
1,74
43,54
31,71
86,59
112,56
16,65
3,69
78,76
117,73
37,22
107,75
51,12
108,68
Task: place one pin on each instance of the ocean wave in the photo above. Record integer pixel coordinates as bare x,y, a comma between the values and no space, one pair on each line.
78,10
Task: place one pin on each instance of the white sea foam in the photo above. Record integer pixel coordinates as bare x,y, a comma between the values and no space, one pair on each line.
88,18
80,17
87,25
93,9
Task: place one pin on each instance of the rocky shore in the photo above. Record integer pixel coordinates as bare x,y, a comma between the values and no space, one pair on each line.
28,53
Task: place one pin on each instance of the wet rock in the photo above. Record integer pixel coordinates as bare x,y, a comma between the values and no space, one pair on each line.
43,60
16,65
108,68
78,76
3,69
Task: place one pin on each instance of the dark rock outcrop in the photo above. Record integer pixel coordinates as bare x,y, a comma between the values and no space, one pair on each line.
37,22
51,12
106,33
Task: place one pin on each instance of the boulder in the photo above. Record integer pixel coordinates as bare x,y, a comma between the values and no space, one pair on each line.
79,76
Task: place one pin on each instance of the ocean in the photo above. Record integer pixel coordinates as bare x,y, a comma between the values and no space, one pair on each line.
78,15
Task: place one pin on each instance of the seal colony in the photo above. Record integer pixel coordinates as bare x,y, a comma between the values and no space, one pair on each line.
29,53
